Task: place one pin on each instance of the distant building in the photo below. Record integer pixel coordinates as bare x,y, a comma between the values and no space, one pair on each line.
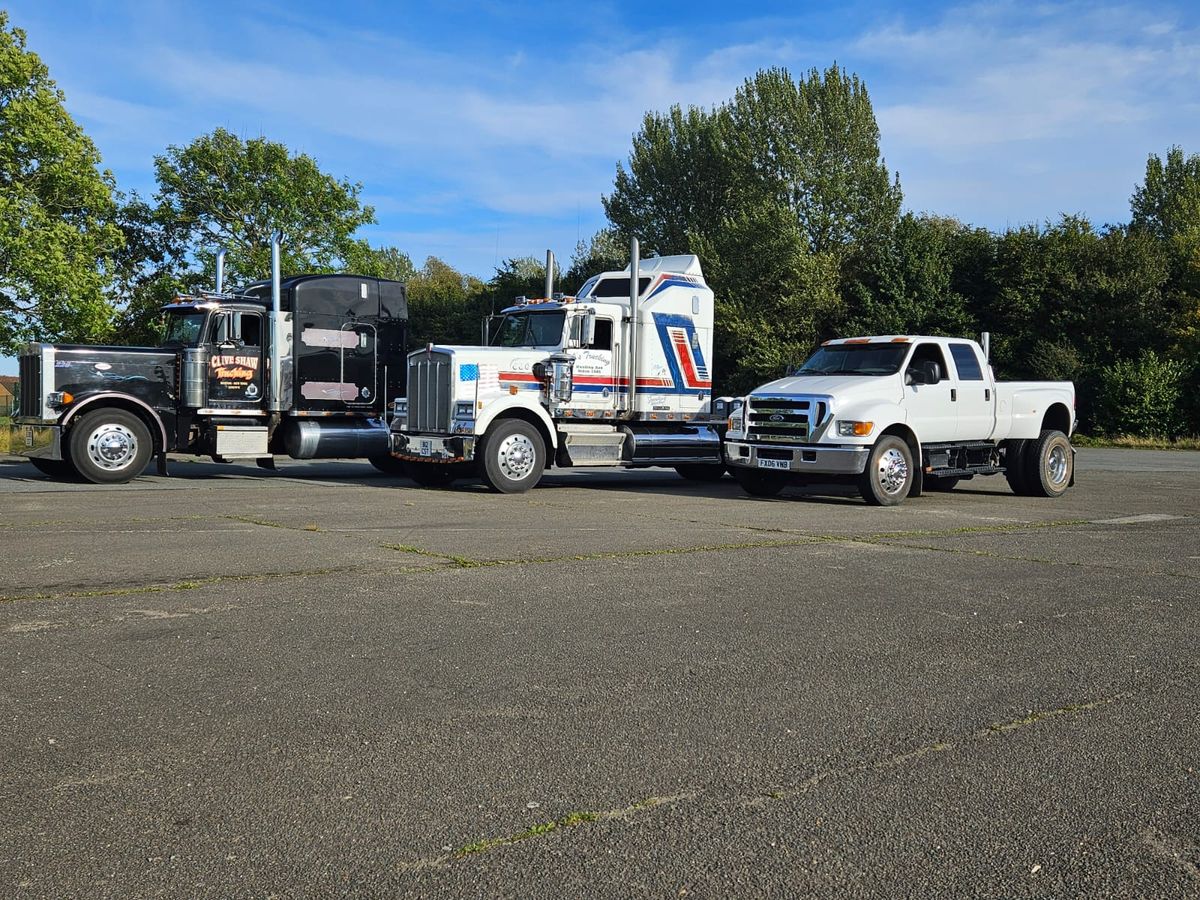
8,394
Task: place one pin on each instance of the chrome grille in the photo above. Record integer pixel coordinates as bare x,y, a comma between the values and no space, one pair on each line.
31,382
788,419
430,394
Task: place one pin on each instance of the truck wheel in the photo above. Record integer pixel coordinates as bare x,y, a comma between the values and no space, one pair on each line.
514,456
110,446
888,476
1015,452
430,475
387,464
1049,464
701,471
758,483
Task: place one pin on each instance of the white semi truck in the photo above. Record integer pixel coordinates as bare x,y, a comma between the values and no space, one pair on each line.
617,375
898,415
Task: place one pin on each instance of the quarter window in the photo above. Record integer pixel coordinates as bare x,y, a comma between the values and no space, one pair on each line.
966,362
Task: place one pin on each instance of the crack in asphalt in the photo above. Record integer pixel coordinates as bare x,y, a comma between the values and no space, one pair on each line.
1173,850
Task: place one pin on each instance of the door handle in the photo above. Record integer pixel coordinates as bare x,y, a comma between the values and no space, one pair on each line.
953,393
987,393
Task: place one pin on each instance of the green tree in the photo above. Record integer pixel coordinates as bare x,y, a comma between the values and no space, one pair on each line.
775,190
444,305
56,209
222,191
813,148
605,251
906,285
378,262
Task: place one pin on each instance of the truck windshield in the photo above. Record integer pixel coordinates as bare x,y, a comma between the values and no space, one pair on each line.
530,329
855,359
183,329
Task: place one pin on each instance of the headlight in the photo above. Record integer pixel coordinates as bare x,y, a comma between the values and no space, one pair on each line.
400,408
464,409
850,428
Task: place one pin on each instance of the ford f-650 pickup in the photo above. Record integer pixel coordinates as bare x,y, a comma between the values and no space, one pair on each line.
899,415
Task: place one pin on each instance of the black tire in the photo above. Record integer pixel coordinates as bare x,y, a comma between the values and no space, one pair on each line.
1049,464
430,475
758,483
60,469
388,464
110,446
947,483
512,456
701,471
889,474
1015,452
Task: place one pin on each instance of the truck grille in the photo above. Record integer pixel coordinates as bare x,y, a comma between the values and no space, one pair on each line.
788,419
430,394
31,383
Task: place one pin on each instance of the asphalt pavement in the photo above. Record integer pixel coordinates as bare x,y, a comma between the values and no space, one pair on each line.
323,681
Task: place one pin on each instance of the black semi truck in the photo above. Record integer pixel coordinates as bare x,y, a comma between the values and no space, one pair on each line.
304,367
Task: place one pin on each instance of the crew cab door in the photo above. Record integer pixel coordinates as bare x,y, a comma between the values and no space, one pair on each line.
593,378
235,361
932,409
976,394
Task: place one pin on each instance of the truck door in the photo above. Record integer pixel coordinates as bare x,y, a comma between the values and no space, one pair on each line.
594,381
235,362
358,364
976,395
932,408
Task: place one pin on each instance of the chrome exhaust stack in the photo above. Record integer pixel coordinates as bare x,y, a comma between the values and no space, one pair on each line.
276,321
635,264
221,270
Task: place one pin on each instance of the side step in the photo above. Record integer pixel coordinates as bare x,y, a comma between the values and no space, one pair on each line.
590,445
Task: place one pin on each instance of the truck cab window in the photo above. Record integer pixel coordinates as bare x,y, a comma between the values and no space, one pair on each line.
530,329
966,362
183,329
603,337
930,353
250,329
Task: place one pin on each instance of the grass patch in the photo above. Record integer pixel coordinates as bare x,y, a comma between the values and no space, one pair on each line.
1132,442
5,421
568,821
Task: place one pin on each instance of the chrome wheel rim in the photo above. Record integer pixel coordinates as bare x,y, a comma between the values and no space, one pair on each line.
516,456
1056,464
892,472
112,447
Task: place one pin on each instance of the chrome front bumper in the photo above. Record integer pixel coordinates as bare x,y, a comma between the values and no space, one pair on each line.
35,441
432,448
800,460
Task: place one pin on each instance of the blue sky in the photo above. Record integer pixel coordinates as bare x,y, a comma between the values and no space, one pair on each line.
482,131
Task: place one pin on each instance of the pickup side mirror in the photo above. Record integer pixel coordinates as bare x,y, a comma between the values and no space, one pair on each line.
926,371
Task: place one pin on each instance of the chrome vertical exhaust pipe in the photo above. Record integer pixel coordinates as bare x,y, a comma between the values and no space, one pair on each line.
276,330
221,270
635,264
549,274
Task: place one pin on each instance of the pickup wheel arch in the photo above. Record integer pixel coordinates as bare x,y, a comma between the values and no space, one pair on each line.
1057,418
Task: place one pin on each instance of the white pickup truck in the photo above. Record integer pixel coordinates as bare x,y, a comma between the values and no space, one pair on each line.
899,415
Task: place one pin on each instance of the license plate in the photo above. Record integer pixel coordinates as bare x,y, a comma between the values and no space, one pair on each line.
426,448
774,464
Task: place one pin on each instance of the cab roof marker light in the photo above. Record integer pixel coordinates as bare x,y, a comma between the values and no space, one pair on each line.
900,340
858,341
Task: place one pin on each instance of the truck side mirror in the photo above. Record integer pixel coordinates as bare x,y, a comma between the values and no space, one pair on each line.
926,371
583,330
